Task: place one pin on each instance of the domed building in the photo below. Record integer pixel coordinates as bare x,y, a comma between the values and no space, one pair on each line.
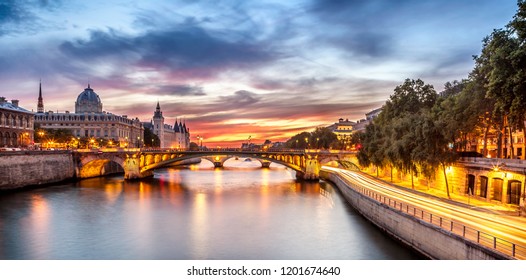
88,102
90,121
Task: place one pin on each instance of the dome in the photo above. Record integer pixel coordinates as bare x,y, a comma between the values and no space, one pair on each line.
88,101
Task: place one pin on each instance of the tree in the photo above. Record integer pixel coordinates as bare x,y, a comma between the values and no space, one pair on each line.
322,138
298,141
151,139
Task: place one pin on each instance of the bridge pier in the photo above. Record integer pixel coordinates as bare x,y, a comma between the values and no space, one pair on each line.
312,170
264,163
218,160
132,169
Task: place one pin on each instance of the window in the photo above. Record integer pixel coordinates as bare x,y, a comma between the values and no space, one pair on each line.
497,189
483,188
471,185
514,192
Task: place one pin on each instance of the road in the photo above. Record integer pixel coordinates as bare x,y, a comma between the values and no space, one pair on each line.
480,226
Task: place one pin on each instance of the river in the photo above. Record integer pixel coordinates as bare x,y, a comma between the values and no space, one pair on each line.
240,212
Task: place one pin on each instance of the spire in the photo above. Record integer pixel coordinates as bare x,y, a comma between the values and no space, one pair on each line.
158,113
176,127
40,106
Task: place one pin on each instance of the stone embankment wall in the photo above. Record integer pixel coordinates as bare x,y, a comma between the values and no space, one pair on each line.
425,238
21,169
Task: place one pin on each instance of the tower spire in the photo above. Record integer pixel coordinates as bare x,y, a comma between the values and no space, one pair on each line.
158,113
40,106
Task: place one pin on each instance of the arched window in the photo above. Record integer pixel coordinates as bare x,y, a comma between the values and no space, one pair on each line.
14,139
471,184
514,192
483,187
496,184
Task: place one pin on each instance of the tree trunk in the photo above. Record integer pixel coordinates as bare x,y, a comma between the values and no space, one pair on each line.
523,141
499,140
485,147
412,181
391,173
377,171
445,178
510,138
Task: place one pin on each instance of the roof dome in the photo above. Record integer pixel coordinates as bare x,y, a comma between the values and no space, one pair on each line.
88,101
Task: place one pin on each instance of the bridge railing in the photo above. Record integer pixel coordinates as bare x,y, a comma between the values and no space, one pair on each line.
449,224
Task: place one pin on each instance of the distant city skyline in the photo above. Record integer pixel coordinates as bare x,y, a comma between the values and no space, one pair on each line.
234,69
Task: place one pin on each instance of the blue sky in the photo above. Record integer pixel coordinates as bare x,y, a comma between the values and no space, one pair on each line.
268,69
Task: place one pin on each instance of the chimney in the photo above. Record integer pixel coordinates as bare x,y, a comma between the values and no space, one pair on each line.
14,102
2,100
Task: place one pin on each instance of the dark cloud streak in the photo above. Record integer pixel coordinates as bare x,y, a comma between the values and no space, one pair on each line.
187,49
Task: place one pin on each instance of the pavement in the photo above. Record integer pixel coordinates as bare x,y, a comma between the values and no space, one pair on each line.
467,201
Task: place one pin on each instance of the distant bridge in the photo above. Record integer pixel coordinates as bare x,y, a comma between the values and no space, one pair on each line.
141,163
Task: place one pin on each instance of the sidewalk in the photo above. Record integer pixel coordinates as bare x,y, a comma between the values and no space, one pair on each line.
470,202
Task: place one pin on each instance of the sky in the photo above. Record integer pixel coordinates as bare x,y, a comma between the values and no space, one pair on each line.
234,69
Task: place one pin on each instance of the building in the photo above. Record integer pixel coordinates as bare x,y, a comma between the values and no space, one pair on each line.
16,124
90,121
175,137
343,129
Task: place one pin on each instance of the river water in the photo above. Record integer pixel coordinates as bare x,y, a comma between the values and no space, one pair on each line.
240,212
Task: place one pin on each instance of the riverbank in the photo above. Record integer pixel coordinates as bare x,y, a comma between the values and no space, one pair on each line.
21,170
422,236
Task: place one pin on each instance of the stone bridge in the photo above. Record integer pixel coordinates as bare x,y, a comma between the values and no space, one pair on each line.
141,163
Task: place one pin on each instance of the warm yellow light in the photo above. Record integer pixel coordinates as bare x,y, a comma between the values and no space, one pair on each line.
217,158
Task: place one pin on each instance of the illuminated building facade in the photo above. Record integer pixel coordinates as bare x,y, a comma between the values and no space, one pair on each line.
16,124
175,137
89,120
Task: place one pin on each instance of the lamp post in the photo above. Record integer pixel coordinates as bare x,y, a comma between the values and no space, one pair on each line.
138,141
200,141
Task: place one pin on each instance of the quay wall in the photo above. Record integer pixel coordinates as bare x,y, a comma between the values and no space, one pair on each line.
21,169
425,238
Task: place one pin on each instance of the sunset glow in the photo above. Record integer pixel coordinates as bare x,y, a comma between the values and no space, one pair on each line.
234,69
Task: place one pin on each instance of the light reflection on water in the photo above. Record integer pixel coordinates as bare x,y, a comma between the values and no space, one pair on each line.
239,212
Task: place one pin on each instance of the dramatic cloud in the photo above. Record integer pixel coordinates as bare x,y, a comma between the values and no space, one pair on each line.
233,69
180,49
181,90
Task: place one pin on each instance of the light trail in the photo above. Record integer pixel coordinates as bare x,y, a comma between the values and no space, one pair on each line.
510,229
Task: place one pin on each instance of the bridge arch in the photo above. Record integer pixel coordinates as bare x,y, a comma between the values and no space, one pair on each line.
168,162
95,166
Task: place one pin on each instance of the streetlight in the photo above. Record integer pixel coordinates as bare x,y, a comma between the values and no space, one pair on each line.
91,141
200,140
138,141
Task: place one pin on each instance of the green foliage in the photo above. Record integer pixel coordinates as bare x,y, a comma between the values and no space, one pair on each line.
321,138
409,133
52,135
150,139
